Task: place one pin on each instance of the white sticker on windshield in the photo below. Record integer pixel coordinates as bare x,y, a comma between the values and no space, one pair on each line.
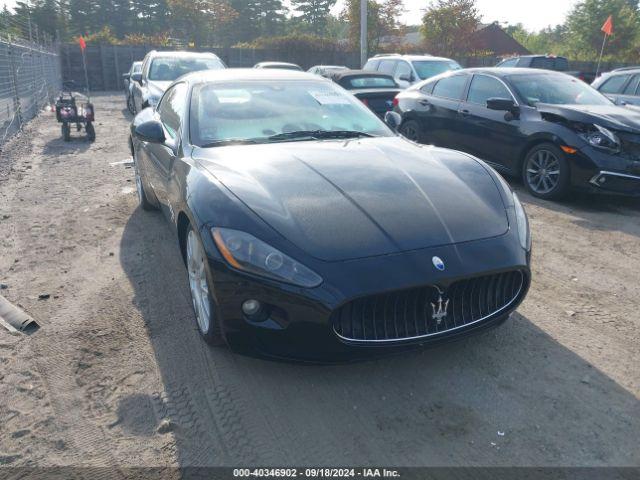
328,97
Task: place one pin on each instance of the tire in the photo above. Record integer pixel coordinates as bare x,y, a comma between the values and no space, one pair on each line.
411,131
131,105
546,172
200,285
143,200
91,132
66,132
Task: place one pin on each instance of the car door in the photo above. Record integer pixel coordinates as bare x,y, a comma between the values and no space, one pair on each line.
629,94
170,112
403,74
491,135
438,112
614,86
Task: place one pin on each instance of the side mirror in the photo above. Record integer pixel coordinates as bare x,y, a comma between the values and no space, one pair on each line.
501,104
136,77
393,120
150,131
126,76
405,77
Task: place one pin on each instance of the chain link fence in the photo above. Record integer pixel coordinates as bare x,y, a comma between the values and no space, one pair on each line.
30,77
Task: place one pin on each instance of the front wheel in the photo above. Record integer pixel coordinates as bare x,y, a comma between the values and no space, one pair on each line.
411,131
91,132
66,132
143,201
545,172
201,293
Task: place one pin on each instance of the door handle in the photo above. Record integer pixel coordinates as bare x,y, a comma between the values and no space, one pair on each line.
424,102
465,113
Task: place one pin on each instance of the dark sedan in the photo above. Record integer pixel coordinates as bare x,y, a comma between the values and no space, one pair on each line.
550,128
310,230
375,90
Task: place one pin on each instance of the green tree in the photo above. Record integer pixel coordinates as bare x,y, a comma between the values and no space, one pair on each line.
585,37
448,27
314,13
382,20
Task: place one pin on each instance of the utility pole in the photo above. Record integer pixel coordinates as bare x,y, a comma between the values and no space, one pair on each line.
363,32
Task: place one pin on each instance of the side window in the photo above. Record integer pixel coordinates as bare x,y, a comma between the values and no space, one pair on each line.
171,109
387,66
614,84
632,86
509,63
483,88
371,65
403,69
450,87
428,88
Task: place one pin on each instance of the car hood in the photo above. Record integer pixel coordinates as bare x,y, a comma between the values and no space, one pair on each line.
609,116
339,200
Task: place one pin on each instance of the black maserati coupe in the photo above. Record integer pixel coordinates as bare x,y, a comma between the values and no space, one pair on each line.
311,230
552,129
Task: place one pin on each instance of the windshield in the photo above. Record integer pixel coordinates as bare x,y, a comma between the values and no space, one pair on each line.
556,89
255,111
169,68
372,82
430,68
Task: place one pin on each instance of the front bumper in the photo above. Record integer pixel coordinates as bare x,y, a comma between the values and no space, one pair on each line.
599,171
300,324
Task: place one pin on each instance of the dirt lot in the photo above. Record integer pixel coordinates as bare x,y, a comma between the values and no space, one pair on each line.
118,376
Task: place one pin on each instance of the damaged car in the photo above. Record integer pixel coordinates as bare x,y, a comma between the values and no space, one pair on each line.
551,129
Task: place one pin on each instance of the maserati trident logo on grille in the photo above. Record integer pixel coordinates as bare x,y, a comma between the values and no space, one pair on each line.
439,312
438,263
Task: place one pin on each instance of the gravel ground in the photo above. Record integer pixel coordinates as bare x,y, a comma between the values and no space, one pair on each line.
117,376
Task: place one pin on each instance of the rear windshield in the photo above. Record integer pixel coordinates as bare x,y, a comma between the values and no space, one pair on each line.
371,82
169,68
430,68
559,64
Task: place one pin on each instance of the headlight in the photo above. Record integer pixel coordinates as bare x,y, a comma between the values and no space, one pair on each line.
245,252
524,234
601,137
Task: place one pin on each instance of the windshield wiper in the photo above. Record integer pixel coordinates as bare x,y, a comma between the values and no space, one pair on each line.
318,134
232,141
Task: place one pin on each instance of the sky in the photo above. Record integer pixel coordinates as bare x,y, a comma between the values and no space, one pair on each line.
533,14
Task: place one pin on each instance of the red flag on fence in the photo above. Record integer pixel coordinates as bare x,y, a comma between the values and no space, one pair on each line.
82,43
607,28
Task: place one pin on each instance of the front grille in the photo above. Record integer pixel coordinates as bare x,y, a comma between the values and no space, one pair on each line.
413,313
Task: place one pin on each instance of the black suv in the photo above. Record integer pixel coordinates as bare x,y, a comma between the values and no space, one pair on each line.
552,129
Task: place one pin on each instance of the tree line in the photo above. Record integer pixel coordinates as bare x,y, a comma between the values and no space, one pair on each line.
447,27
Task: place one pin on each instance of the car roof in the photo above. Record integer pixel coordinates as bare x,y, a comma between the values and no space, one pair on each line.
424,57
180,53
276,63
249,74
506,72
358,73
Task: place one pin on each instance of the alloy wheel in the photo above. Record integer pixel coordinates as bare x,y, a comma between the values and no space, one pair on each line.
543,172
198,282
